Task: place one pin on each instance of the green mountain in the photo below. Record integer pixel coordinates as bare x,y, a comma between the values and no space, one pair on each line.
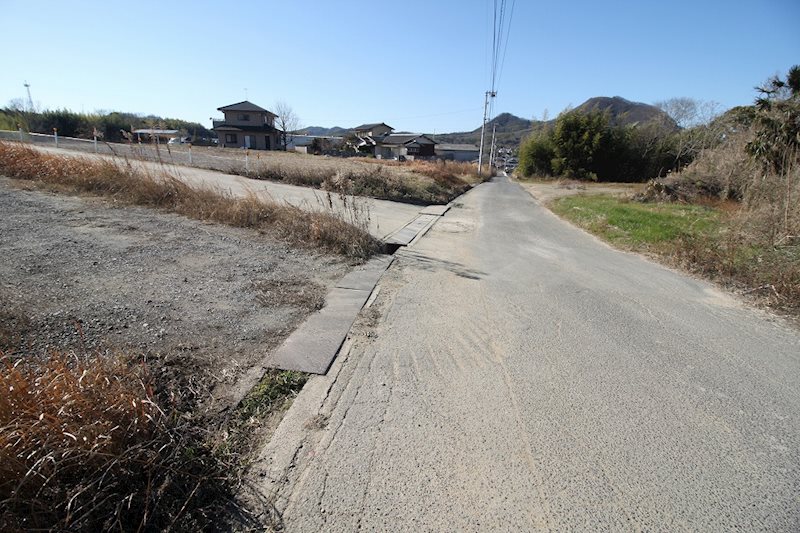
624,112
511,129
335,131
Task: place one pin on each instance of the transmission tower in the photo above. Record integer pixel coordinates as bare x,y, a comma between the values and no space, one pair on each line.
30,100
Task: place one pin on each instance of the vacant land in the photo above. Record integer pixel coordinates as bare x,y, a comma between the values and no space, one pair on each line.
634,225
205,300
412,182
101,302
546,190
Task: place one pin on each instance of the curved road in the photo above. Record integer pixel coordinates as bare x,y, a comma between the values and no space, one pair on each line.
524,376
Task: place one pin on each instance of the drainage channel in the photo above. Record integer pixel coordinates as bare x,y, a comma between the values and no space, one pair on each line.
314,345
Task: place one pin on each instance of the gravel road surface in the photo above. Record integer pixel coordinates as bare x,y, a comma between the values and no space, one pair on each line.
202,301
524,376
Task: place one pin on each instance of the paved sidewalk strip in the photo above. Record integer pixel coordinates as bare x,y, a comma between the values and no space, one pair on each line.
406,234
313,346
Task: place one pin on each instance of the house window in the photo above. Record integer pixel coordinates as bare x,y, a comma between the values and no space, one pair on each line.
244,118
231,138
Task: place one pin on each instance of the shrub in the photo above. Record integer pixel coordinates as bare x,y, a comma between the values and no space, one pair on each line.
536,155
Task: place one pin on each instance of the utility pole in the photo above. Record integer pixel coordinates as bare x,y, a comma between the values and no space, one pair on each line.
483,129
491,152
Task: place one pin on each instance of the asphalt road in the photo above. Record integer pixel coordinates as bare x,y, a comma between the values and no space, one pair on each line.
525,376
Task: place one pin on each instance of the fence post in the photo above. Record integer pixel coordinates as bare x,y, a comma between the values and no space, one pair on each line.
246,160
55,135
94,134
190,154
19,127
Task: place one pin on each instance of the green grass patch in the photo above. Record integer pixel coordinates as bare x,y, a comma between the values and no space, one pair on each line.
636,225
702,239
274,388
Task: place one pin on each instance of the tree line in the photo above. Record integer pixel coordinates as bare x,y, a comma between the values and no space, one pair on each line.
110,126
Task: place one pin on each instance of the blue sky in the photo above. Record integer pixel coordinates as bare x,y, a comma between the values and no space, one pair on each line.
419,65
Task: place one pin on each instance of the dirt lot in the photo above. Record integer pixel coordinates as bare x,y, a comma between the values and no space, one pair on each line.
549,190
231,160
202,302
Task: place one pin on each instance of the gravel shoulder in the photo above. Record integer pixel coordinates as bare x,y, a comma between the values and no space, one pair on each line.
202,302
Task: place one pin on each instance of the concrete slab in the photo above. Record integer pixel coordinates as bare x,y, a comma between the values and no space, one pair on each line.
314,345
410,230
437,210
364,277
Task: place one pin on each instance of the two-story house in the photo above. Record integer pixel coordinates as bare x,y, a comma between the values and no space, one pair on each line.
370,135
379,140
247,125
376,131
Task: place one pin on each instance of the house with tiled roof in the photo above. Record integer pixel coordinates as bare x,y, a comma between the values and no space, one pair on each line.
408,145
378,139
247,125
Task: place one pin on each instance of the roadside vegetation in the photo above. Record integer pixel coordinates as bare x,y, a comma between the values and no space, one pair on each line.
93,442
86,445
415,182
731,213
339,231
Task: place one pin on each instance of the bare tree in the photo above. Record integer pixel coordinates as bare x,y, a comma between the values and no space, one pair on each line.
16,104
699,130
688,112
287,122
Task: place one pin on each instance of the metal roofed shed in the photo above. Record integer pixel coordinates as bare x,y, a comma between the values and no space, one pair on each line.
457,152
157,134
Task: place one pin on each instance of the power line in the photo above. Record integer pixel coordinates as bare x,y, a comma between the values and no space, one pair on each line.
508,33
501,25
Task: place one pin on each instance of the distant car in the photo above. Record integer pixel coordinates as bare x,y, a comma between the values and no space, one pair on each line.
179,140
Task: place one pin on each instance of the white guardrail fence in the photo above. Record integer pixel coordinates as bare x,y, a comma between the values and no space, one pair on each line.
227,160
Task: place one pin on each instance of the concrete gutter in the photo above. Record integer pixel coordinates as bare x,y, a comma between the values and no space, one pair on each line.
313,346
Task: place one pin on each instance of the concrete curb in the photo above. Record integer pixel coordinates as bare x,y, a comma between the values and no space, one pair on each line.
313,346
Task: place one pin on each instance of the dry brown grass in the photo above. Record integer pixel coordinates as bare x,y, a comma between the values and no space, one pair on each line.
445,172
758,248
417,182
339,231
84,446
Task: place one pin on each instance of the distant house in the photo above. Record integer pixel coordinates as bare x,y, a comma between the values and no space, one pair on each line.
409,145
155,135
457,152
373,130
304,143
379,140
369,135
247,125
